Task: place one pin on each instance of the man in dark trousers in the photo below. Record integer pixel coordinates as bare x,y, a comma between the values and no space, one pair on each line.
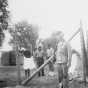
39,56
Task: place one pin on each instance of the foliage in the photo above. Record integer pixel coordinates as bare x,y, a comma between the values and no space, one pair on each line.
4,15
54,39
24,35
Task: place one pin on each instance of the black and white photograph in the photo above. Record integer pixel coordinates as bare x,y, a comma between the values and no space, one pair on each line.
43,43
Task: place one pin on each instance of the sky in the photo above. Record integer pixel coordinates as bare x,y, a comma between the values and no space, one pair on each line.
52,15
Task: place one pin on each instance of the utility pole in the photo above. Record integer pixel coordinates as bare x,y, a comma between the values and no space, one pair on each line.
84,54
87,51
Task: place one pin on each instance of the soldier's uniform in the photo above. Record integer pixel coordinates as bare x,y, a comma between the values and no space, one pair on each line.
63,55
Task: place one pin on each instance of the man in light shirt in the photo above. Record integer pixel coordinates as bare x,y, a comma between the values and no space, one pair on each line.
63,61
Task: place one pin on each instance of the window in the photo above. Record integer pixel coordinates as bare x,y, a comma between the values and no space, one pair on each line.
8,58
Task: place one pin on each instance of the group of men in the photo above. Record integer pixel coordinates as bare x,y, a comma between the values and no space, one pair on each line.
62,58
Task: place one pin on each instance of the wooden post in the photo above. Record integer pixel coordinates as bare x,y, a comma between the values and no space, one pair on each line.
33,75
87,52
18,70
84,54
18,66
17,61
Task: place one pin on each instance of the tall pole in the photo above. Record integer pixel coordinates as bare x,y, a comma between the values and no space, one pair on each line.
87,51
84,54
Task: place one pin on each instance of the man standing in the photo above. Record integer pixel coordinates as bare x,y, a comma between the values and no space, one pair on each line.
39,59
63,61
50,52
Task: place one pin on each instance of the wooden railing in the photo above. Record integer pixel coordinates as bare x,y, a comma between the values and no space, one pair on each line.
34,74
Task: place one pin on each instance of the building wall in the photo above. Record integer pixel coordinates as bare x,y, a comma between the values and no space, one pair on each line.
8,58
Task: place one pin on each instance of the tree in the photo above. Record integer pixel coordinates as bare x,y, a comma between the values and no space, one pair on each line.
4,15
54,39
24,35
